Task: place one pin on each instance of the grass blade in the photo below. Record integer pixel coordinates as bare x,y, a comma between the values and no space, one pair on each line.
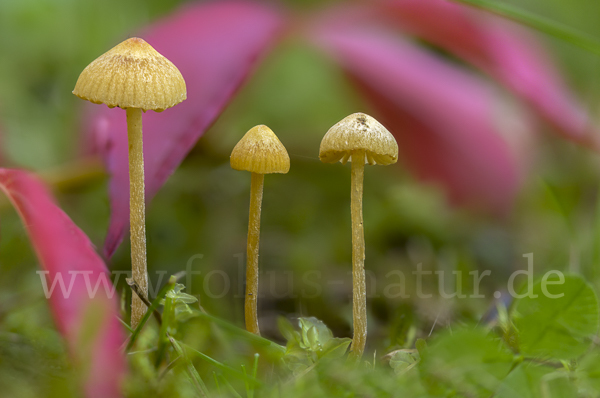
230,387
169,367
129,329
217,383
163,337
255,367
249,391
247,379
191,370
254,372
257,341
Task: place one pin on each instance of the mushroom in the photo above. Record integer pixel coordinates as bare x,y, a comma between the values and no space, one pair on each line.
134,77
360,139
259,152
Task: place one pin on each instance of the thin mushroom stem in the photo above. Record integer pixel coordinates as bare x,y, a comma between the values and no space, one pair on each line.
137,216
359,302
256,194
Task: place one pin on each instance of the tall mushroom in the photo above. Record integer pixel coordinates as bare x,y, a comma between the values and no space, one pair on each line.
134,77
360,139
259,152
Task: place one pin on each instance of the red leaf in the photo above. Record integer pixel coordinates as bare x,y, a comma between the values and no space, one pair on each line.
215,46
446,121
65,252
502,49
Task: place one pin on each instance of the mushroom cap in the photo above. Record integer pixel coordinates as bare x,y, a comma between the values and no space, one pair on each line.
132,75
359,132
260,151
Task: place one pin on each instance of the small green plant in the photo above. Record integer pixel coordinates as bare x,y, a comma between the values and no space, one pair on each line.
313,342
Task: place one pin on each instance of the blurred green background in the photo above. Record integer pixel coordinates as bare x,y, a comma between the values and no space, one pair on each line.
305,255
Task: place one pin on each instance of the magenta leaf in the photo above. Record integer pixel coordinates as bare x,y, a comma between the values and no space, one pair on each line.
447,121
502,49
77,285
215,46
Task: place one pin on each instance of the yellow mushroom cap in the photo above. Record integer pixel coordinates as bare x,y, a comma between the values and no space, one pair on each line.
132,75
359,132
260,151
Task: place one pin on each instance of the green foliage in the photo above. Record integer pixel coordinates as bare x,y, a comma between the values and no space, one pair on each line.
313,342
536,381
587,374
468,361
557,320
180,302
404,360
192,373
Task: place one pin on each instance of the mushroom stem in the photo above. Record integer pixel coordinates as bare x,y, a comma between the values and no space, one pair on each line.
137,210
359,302
256,194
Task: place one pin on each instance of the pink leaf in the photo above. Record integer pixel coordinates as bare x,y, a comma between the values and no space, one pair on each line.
447,122
66,253
215,46
505,51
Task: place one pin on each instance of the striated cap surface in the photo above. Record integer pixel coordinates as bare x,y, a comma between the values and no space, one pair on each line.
260,151
359,132
132,75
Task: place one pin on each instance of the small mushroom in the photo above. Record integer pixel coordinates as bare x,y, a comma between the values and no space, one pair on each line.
359,139
259,152
134,77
